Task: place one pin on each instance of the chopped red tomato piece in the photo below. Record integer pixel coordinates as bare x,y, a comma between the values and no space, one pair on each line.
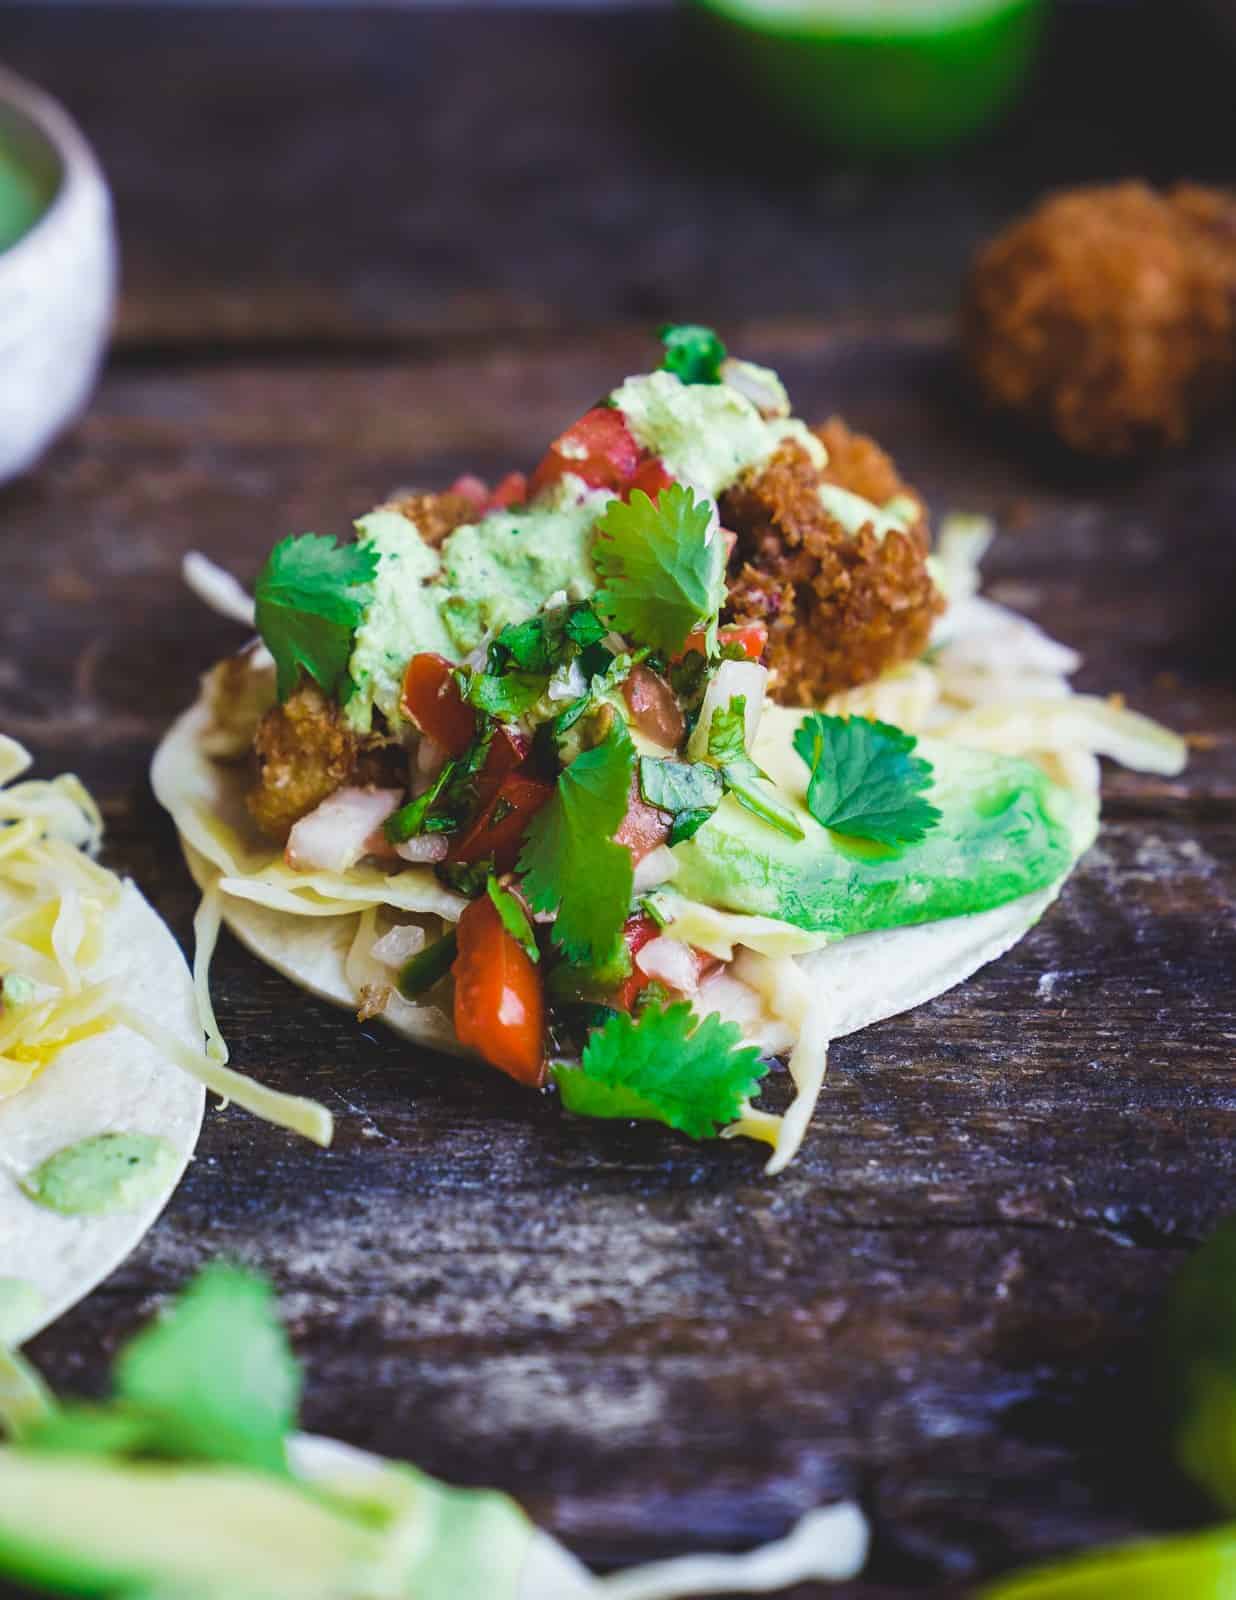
471,488
644,827
499,999
508,750
640,930
653,707
431,699
599,448
509,491
499,829
750,637
651,477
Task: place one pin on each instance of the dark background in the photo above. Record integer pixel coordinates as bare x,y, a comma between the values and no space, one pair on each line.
364,248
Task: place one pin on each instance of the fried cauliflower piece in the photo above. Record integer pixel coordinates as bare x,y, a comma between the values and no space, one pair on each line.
842,606
305,751
1109,315
437,515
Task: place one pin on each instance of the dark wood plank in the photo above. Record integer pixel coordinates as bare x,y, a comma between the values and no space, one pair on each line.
940,1306
408,174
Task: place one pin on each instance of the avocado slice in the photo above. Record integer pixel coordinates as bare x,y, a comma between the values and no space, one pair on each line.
89,1526
1005,830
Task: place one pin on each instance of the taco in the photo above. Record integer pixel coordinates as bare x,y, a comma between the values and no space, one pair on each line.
102,1072
684,754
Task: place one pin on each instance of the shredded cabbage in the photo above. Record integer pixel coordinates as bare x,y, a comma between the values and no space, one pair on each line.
1080,722
830,1543
54,905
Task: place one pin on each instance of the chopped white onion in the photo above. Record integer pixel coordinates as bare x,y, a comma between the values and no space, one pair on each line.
422,848
671,962
657,867
334,837
399,945
732,678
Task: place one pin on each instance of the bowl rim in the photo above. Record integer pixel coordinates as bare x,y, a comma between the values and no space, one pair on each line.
79,170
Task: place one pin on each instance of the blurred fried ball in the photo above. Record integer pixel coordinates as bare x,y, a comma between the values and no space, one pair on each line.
841,607
1109,315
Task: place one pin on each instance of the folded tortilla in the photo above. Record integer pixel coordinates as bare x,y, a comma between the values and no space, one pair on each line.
115,1081
989,670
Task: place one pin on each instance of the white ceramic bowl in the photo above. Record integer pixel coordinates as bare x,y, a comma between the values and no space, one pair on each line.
57,283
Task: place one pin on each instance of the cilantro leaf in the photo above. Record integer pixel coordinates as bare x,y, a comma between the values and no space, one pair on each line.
727,732
508,697
514,918
219,1370
864,779
667,1066
689,790
692,352
743,779
415,817
662,572
213,1380
570,862
310,597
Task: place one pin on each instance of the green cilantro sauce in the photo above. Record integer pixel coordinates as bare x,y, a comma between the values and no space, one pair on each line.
706,433
23,197
102,1174
504,568
485,575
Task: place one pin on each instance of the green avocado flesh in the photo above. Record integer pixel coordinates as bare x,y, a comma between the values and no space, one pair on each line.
104,1173
1005,830
103,1527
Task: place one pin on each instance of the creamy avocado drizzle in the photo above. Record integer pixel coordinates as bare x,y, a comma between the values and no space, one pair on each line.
102,1174
504,567
706,434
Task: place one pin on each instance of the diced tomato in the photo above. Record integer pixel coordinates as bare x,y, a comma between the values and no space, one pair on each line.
644,827
599,448
472,488
750,637
509,491
431,699
499,999
651,477
508,750
654,710
640,930
519,797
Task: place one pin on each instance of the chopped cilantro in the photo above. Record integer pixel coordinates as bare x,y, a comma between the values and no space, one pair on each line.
214,1380
466,877
508,697
310,597
864,780
420,972
692,353
689,791
418,815
661,567
743,779
727,732
667,1066
570,862
514,918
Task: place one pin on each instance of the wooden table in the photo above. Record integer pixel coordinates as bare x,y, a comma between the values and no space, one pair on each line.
370,249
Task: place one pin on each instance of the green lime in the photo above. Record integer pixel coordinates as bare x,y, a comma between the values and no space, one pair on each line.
898,76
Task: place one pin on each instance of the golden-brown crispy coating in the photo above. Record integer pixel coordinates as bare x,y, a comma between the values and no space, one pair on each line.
1109,314
841,607
437,515
305,751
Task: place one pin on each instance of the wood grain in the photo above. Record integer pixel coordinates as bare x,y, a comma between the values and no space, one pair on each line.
940,1306
378,249
407,175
